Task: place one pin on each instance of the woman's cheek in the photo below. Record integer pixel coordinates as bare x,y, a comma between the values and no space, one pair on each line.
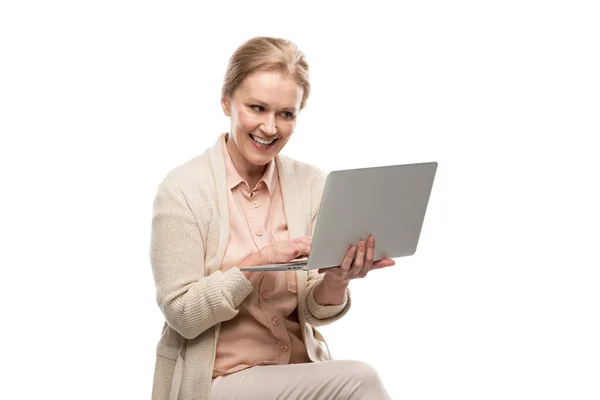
289,127
246,121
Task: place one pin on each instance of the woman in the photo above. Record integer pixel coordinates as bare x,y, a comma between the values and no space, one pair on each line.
232,334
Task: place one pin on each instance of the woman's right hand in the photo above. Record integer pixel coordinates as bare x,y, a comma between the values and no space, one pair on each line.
286,250
277,252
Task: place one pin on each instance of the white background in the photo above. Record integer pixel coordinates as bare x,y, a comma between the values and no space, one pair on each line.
99,100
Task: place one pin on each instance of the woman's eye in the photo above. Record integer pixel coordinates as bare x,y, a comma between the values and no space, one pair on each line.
258,108
288,115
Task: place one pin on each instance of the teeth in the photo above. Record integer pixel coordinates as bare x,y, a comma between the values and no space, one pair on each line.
261,141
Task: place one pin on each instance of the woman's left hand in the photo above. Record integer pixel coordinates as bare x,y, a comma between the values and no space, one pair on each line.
357,263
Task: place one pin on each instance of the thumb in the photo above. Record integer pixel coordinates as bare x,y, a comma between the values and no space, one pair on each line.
386,262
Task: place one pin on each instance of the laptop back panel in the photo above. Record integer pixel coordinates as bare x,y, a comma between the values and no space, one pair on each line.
392,201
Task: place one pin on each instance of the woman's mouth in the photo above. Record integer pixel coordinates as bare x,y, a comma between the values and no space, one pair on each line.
262,143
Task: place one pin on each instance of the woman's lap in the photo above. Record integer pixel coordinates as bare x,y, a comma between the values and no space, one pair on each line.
328,380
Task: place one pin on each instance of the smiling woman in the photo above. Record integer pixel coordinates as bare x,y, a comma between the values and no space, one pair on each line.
263,117
241,204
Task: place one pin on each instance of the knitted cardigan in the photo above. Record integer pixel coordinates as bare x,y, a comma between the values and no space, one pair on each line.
190,232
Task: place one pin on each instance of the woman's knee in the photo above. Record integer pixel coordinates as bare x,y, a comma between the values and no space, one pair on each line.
358,368
364,379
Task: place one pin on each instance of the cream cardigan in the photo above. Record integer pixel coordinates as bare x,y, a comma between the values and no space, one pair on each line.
190,231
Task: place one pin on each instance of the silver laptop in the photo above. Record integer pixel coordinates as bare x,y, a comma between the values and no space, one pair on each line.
387,202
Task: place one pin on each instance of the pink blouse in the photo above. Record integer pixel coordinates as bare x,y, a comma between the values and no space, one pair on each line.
266,331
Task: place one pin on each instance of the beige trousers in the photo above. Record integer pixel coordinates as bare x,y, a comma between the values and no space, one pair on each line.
328,380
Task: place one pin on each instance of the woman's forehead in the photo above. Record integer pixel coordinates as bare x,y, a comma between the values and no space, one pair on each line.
270,87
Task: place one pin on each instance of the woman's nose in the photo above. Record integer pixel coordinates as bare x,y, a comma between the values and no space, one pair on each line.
268,126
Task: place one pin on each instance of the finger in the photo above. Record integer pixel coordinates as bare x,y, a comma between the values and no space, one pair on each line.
302,250
386,262
347,261
359,260
301,242
305,241
335,271
368,257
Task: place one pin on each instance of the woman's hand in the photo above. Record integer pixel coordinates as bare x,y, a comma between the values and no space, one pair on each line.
357,263
277,252
286,250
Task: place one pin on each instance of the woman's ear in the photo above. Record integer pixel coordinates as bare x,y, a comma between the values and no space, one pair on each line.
225,104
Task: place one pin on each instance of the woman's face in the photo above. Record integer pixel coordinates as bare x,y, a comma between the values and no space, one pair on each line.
263,112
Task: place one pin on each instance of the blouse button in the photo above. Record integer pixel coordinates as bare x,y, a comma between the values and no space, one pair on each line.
275,321
259,232
266,295
284,348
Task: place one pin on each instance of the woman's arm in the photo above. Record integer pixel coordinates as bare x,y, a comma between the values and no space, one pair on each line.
330,293
325,303
322,313
190,302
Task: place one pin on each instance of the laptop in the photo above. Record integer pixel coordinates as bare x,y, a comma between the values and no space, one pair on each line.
388,203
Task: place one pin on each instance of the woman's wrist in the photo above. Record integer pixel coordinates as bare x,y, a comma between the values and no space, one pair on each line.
252,260
330,292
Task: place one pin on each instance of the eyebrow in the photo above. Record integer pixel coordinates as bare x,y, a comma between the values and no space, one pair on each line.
262,103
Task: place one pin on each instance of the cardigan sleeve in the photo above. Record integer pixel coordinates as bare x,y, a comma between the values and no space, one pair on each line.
190,302
317,314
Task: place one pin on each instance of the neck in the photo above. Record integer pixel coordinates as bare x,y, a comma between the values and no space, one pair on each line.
249,172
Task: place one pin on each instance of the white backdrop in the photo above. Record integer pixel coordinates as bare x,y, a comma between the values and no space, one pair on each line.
99,100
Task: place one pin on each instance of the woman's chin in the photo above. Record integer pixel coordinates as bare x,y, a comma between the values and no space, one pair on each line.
259,160
261,156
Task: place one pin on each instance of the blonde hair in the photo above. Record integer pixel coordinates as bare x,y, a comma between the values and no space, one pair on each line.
266,54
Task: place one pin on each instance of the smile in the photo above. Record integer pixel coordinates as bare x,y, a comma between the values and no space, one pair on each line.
262,142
